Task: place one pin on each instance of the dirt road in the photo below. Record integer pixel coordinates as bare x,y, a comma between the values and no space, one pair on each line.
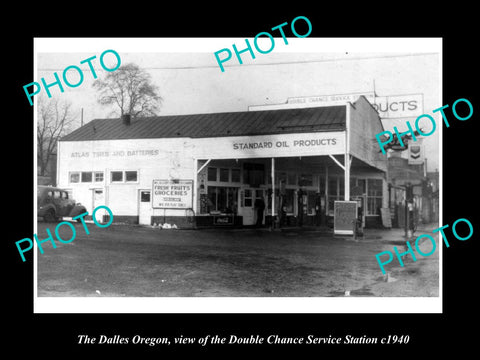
142,261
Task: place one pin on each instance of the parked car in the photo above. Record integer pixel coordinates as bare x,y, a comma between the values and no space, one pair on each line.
54,203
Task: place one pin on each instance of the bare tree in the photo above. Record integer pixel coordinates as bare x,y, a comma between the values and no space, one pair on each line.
53,121
130,89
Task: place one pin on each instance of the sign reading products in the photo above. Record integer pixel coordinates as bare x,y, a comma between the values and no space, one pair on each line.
399,106
172,194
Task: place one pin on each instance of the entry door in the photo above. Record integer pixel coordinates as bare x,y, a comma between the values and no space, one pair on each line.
98,200
249,212
144,207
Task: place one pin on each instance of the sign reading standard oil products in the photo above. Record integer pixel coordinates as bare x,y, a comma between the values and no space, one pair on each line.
172,194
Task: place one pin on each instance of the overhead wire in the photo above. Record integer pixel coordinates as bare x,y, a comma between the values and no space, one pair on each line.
268,64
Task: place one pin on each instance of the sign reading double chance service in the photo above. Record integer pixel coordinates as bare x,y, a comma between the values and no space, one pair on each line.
172,194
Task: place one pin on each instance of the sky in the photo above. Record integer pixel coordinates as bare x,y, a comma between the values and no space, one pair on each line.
190,81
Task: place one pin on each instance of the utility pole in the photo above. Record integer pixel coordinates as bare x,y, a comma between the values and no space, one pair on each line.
406,214
408,199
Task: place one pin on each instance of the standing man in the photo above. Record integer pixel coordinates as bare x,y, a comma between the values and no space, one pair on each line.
260,206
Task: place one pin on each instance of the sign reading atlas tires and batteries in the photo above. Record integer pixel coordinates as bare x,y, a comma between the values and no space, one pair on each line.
172,194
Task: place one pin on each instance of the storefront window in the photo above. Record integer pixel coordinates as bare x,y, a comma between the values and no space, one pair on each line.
224,175
373,205
336,191
212,198
119,176
86,176
74,177
222,199
131,176
98,176
372,187
212,174
116,176
235,175
232,200
332,186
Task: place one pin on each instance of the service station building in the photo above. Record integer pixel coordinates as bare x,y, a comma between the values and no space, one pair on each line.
215,169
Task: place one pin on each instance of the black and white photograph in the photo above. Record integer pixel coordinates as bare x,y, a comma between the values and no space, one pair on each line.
299,181
288,176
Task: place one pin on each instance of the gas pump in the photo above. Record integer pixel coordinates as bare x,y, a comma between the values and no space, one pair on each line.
360,199
409,210
318,209
302,206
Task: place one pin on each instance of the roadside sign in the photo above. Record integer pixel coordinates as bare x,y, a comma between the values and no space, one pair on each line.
388,107
398,106
345,214
172,194
415,154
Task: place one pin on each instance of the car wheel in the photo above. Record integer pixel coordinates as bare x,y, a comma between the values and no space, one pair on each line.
50,216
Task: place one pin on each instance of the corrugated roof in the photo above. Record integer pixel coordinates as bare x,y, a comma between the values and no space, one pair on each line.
331,118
